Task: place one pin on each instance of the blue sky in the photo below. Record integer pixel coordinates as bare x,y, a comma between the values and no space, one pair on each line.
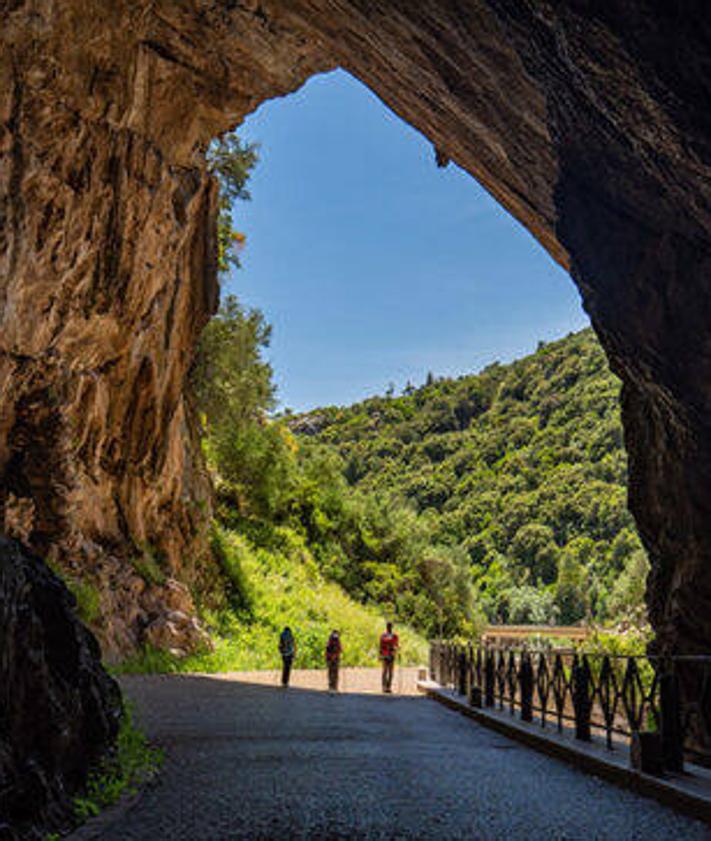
373,265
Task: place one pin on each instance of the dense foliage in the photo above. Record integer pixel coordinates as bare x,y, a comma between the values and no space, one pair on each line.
262,589
521,467
502,492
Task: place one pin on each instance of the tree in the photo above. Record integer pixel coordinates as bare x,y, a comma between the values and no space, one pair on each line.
535,550
445,574
529,605
627,598
230,380
570,588
257,464
231,161
232,386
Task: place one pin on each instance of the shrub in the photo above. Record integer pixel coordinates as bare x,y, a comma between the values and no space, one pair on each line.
148,566
88,599
237,586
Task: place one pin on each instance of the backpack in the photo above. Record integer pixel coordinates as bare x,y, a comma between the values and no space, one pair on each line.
286,644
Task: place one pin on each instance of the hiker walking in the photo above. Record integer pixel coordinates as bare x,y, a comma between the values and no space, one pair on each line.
389,644
333,658
287,649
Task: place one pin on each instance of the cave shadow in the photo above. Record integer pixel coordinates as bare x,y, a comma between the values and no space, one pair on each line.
189,707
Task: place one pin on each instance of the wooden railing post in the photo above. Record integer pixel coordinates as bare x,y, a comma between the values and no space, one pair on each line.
489,678
525,679
462,666
672,731
476,697
582,702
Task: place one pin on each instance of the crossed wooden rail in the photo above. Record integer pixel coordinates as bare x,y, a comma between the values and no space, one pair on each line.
617,696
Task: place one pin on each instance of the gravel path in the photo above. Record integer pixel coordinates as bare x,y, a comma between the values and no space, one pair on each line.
251,761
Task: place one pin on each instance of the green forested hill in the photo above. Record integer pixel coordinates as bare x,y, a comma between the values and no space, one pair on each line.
498,496
521,467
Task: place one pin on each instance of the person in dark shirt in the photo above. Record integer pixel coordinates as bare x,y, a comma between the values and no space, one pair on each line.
333,659
287,649
389,644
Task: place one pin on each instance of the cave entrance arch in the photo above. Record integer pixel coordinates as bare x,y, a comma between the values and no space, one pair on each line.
588,124
374,264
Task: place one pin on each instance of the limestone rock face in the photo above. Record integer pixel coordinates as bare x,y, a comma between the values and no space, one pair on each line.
176,632
169,622
588,121
58,707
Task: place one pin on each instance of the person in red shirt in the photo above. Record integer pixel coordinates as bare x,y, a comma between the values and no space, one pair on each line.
389,644
333,659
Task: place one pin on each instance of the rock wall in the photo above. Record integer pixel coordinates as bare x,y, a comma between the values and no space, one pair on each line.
106,289
59,710
588,121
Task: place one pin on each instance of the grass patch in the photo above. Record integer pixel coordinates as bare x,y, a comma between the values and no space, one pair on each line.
148,566
131,763
86,594
87,598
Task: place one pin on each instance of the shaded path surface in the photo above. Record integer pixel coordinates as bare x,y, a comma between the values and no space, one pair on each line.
251,761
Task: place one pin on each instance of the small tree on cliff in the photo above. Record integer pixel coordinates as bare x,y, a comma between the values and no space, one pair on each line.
229,378
231,161
231,382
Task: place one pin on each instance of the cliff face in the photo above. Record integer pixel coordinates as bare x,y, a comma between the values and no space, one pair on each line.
108,281
588,121
107,276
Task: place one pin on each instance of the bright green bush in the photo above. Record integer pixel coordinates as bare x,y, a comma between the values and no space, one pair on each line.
286,588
